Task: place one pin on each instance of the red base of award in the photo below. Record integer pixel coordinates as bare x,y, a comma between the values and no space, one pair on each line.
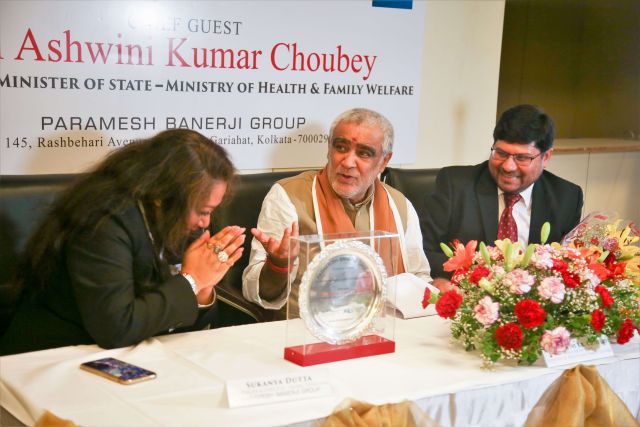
314,354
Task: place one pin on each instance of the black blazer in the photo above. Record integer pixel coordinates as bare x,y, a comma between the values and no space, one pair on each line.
465,207
110,289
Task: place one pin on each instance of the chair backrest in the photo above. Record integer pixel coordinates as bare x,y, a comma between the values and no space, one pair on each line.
243,209
24,200
415,184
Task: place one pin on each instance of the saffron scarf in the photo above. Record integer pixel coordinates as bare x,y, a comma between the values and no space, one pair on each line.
334,219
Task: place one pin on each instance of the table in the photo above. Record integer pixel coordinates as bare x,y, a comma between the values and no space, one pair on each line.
427,368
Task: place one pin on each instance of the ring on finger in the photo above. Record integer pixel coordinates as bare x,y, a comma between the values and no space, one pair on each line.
209,245
217,249
222,256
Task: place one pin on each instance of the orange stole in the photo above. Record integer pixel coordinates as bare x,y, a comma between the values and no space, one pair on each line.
334,219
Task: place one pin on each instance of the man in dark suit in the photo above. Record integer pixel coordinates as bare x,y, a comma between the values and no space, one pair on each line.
469,201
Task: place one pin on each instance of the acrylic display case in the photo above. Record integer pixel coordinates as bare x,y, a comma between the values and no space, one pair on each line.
340,282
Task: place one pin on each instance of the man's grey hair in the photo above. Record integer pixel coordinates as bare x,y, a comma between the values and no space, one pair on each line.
368,117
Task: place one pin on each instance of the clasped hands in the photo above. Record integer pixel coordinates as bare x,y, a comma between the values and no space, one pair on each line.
209,258
279,252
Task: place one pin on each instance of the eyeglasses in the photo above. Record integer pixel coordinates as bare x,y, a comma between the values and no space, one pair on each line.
520,159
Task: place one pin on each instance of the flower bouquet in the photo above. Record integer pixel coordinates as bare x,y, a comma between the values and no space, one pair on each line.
511,302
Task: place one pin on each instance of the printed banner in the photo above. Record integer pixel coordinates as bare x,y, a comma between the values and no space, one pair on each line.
264,79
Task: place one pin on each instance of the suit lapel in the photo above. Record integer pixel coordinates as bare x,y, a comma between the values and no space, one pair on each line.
487,194
539,210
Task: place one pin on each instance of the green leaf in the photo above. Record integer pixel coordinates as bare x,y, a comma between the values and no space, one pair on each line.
530,357
433,298
485,253
527,255
446,249
544,232
603,256
507,256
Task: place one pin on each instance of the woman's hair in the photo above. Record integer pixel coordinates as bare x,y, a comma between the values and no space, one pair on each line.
170,174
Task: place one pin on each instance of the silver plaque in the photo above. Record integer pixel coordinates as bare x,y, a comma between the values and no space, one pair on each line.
342,291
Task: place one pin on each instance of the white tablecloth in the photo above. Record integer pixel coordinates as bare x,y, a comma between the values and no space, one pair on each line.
427,368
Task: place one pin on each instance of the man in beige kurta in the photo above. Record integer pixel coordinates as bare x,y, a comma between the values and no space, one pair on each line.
345,196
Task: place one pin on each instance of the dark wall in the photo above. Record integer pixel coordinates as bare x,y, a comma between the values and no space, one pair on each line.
578,59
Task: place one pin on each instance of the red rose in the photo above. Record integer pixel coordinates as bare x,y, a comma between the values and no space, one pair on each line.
571,280
509,336
478,273
559,265
597,319
425,298
625,332
448,303
605,296
529,313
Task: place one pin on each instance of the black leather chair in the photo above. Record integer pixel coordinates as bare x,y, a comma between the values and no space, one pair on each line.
243,209
415,184
24,200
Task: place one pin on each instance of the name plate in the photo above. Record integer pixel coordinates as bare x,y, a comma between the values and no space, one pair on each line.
276,388
579,353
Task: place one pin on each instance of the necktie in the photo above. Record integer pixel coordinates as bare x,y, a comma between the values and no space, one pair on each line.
507,228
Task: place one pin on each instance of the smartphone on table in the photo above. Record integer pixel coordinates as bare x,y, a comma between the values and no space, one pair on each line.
118,370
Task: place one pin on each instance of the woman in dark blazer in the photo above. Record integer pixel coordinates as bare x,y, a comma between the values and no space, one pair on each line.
122,255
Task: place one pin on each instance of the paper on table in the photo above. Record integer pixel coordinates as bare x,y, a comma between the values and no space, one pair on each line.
404,294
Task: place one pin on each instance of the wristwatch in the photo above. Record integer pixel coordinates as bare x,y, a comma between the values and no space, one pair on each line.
191,281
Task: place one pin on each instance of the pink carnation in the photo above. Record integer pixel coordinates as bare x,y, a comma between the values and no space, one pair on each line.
487,311
555,341
498,270
552,288
541,258
519,281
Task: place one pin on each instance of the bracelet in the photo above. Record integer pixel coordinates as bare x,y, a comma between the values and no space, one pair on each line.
277,269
